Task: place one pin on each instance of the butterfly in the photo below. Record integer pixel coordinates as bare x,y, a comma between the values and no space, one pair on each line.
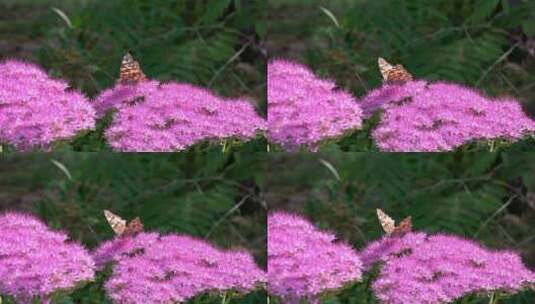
389,225
131,72
393,73
119,225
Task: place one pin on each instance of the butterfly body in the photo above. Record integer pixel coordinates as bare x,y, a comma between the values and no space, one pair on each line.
389,225
130,72
393,73
121,227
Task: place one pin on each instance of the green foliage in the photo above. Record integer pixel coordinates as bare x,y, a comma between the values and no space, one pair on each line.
192,41
449,40
483,196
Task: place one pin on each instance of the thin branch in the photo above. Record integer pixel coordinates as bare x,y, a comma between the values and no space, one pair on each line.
502,58
498,211
227,214
231,59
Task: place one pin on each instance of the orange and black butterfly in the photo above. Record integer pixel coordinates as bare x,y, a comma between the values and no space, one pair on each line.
131,72
119,225
393,73
389,225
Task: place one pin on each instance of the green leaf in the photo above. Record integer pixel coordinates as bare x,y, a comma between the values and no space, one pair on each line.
483,10
214,10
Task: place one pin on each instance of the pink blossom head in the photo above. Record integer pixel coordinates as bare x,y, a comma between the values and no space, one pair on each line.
153,116
440,268
304,110
149,268
389,247
420,116
36,262
304,262
390,93
36,110
124,95
119,248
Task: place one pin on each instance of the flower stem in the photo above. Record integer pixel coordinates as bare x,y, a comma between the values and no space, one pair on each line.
224,300
492,146
493,298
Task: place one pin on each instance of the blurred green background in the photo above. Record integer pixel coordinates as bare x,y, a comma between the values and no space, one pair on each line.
212,43
217,44
216,197
489,197
486,44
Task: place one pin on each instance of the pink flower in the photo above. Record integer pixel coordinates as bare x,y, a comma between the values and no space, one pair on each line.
305,110
123,248
37,262
121,96
153,116
420,116
304,262
36,110
150,268
388,248
418,268
386,94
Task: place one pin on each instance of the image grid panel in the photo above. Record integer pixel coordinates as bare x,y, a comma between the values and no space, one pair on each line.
278,133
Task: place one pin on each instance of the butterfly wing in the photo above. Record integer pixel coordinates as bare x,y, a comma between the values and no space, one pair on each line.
399,74
405,226
384,67
116,222
393,73
134,227
386,222
131,72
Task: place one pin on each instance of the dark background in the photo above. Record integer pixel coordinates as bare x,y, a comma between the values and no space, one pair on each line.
488,44
212,43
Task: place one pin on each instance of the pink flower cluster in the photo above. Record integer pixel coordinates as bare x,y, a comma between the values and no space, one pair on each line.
36,262
419,116
387,248
122,247
150,268
419,268
306,110
153,116
36,110
388,94
304,262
